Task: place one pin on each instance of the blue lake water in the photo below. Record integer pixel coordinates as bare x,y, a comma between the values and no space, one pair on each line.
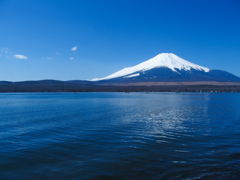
120,136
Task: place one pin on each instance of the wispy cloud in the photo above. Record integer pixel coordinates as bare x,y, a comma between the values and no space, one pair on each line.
49,58
5,50
74,48
18,56
57,53
71,58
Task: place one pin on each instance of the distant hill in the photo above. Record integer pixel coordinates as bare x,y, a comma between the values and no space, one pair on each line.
43,86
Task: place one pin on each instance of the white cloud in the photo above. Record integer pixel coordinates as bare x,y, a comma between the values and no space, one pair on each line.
57,53
74,48
71,58
49,58
20,56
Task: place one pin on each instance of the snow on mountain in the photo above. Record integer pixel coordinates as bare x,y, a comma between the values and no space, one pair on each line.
132,75
168,60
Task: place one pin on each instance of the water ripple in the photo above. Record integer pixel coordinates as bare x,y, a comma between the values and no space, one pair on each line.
120,136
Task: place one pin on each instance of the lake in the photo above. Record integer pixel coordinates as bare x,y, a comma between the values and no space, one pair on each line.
120,136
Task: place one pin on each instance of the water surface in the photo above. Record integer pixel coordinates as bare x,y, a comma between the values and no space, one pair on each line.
120,136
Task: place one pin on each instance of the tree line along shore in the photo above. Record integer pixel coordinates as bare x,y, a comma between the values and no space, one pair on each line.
60,86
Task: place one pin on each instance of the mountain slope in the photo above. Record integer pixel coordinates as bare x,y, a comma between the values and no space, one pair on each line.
167,67
168,60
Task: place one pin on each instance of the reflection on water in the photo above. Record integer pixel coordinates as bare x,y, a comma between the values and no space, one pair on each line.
120,136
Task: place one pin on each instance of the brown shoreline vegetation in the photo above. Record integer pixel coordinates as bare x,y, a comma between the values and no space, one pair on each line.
67,86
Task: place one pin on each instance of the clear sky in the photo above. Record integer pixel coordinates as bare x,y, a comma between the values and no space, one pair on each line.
86,39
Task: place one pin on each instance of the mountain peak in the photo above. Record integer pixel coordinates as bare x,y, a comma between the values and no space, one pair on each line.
168,60
173,62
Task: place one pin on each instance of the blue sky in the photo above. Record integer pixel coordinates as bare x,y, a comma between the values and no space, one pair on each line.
74,39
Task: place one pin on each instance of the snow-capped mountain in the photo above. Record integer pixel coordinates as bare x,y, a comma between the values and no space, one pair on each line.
168,60
168,67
